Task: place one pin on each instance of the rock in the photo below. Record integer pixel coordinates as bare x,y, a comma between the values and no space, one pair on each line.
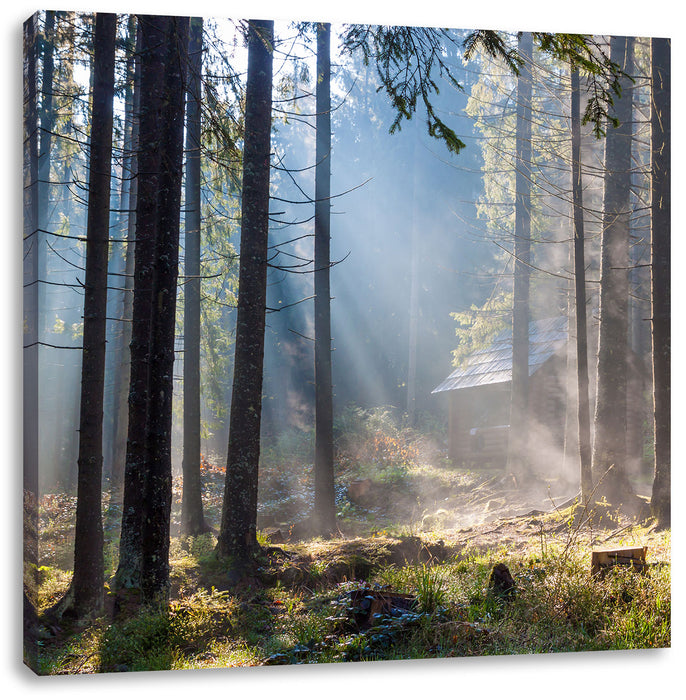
277,660
274,535
431,521
367,605
494,504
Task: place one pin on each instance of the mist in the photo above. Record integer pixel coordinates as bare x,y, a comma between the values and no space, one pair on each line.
406,213
365,355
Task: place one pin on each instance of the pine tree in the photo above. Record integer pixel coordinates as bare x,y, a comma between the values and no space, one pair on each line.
324,497
192,518
238,532
122,364
517,460
584,409
144,541
661,271
86,593
609,447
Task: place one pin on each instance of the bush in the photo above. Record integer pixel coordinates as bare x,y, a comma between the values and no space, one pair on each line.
374,438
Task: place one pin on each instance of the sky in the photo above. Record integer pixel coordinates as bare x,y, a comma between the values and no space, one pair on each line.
529,677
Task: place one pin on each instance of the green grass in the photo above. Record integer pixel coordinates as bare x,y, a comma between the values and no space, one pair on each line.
299,611
558,607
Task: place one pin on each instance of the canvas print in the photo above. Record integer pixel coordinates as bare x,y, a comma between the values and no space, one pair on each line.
342,342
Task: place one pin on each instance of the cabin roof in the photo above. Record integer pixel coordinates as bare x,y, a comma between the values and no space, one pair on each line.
493,364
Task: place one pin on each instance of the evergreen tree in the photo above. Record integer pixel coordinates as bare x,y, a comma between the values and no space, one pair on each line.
86,593
609,447
584,410
144,541
193,522
324,496
47,124
30,340
661,271
517,460
237,537
122,358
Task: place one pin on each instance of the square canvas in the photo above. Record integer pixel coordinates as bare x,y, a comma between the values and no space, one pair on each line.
342,343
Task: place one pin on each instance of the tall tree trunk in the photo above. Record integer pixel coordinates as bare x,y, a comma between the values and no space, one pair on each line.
609,448
584,406
237,537
30,205
413,333
144,543
158,490
30,339
45,45
324,496
122,372
192,519
116,345
517,460
153,35
86,594
47,120
660,121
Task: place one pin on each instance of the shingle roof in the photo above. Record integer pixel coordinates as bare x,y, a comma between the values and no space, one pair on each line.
493,364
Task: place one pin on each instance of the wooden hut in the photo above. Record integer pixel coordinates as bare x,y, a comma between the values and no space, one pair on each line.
479,395
479,402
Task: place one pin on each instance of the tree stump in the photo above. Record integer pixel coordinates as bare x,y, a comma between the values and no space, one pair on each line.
501,583
604,559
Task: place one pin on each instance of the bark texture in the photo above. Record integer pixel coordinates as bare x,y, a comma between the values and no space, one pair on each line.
584,406
87,584
47,117
122,371
609,448
192,519
152,38
517,461
158,485
324,496
144,542
661,275
30,340
237,537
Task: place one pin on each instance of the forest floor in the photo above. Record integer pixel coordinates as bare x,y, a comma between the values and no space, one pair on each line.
410,575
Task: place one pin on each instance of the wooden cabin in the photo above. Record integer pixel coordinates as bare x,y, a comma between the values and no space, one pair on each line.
479,395
479,401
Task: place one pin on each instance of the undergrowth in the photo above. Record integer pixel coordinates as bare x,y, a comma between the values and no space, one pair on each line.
306,601
558,606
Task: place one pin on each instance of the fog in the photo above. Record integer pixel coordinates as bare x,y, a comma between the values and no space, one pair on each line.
388,190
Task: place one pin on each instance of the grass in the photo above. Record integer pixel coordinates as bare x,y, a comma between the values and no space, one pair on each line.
558,607
303,606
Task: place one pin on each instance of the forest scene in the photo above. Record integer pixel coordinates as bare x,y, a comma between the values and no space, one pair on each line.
342,343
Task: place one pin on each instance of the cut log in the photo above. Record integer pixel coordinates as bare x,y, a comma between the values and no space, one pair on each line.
604,559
